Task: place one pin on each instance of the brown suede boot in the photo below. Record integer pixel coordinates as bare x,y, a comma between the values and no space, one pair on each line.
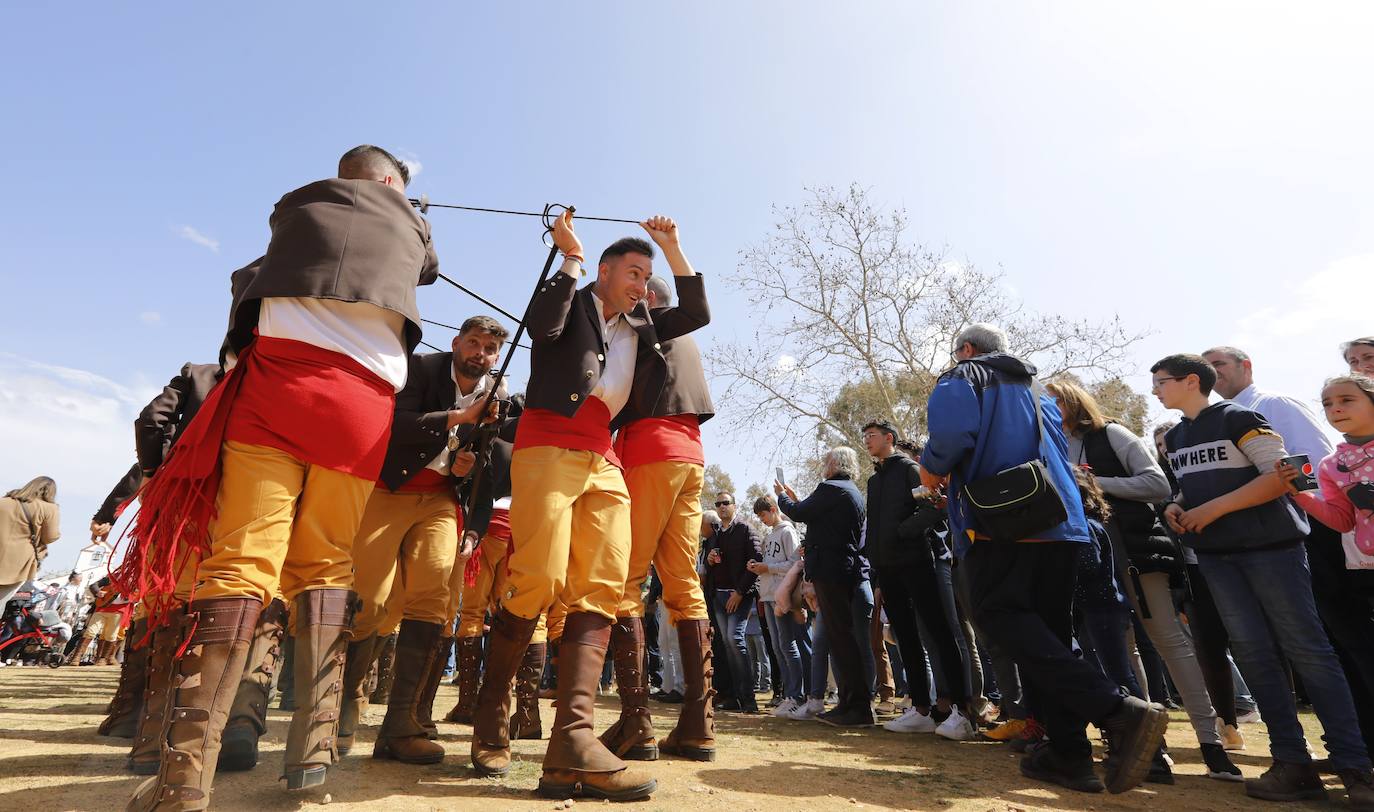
121,720
359,660
430,686
323,617
525,722
403,735
77,653
694,736
381,680
103,654
577,764
207,676
248,716
510,639
632,736
469,678
146,754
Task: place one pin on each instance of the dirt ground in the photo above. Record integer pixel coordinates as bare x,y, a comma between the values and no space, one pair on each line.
52,759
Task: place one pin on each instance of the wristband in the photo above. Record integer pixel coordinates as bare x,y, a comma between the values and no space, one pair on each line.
575,257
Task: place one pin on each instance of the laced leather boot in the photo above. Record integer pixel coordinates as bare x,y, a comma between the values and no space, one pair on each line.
358,664
248,715
323,618
694,736
577,764
121,720
525,722
381,680
403,736
510,639
146,753
632,736
469,680
207,676
430,686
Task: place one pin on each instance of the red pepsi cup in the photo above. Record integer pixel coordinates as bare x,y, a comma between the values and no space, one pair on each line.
1307,474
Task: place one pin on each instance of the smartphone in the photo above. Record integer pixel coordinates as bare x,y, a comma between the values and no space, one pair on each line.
781,480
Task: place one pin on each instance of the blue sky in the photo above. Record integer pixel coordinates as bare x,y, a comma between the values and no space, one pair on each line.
1201,169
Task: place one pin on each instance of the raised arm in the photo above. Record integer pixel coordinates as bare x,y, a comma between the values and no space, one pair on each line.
548,312
691,312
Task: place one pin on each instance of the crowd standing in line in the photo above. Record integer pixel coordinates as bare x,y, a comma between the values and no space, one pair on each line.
329,514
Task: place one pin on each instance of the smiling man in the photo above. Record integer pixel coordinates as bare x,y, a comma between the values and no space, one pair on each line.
595,350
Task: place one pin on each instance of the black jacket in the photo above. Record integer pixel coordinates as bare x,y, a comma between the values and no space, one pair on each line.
161,422
899,526
738,545
568,356
834,518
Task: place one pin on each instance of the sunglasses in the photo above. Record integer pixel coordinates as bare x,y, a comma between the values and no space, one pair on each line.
724,504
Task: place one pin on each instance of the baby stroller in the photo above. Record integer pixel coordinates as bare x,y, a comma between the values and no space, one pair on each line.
27,632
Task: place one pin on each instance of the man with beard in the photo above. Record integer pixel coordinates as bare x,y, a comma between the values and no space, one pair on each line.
411,529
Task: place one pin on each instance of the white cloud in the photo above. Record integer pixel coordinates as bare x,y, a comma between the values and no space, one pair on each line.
150,317
412,162
72,425
785,364
189,233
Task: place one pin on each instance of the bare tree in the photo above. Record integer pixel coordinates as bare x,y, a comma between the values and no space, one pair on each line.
858,322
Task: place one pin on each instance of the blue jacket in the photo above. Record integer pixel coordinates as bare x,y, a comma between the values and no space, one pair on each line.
981,420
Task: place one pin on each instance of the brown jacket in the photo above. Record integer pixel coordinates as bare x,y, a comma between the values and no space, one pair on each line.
684,389
18,557
352,240
238,285
122,492
567,359
162,420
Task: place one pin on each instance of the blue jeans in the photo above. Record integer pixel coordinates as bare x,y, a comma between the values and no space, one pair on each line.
1265,599
732,624
786,633
1101,632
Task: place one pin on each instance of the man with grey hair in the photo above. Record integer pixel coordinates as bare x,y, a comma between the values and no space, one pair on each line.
834,518
985,417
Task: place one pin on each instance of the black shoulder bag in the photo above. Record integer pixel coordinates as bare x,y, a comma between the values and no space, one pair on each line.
1017,503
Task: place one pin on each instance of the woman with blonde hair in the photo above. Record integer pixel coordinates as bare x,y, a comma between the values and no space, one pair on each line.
1126,468
29,522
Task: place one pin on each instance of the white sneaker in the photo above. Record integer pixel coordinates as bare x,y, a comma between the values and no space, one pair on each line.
807,712
785,708
956,728
1231,737
911,721
1248,718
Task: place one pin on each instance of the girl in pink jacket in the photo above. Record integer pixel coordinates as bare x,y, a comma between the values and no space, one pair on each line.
1345,500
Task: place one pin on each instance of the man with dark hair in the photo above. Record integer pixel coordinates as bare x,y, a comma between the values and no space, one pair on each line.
371,161
664,472
730,552
1232,510
987,415
897,543
570,512
277,467
409,538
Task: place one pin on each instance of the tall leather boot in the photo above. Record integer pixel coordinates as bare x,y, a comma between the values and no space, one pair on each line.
510,638
103,655
207,676
323,617
77,653
577,763
248,716
286,683
430,687
357,665
146,754
694,736
469,678
126,708
403,736
525,723
632,736
382,690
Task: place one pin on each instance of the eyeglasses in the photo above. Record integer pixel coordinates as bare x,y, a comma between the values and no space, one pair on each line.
724,504
1158,382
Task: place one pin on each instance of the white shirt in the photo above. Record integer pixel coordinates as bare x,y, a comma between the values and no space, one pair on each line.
368,334
621,343
1291,419
442,460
